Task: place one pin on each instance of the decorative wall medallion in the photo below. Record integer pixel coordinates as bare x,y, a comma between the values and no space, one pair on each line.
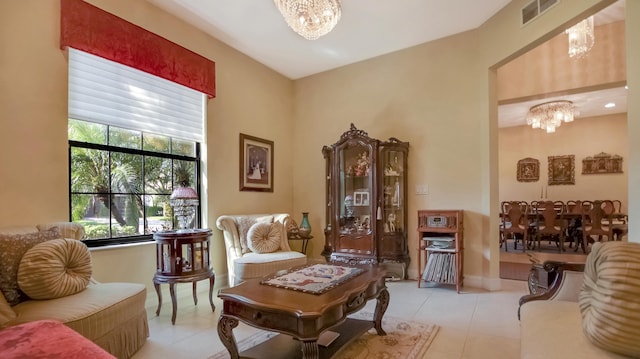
528,170
602,163
562,170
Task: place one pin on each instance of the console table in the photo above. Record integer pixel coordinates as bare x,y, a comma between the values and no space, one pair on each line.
182,257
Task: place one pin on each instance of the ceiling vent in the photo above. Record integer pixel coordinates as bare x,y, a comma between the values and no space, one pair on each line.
535,8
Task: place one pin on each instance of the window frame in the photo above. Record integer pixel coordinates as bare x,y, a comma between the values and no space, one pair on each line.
110,241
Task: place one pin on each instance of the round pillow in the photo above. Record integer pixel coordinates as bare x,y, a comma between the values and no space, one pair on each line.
54,269
264,237
610,297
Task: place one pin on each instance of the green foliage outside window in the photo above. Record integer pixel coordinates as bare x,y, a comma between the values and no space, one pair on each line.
121,180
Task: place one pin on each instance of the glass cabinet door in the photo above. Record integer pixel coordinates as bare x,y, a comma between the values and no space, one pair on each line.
355,185
394,182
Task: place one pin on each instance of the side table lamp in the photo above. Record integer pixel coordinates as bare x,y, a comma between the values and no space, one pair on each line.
184,201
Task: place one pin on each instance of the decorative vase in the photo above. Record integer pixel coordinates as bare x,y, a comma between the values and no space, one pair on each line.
305,228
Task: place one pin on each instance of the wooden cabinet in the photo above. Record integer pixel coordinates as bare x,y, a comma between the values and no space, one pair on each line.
366,207
442,247
182,257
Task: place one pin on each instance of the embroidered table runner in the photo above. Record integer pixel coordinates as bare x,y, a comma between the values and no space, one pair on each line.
315,279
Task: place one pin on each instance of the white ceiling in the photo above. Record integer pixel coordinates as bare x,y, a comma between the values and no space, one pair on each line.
367,28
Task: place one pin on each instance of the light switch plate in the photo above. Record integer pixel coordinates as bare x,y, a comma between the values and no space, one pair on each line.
422,189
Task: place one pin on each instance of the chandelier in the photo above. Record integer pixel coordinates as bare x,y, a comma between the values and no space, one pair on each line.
310,18
581,38
549,115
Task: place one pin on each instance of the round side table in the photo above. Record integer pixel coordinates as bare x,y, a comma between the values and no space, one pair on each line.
182,257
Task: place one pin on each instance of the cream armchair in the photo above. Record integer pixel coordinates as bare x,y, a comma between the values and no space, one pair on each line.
244,263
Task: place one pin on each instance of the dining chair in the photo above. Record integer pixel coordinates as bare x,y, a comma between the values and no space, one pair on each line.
550,223
619,224
515,223
596,221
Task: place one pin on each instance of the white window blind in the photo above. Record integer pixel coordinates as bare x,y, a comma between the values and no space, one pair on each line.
109,93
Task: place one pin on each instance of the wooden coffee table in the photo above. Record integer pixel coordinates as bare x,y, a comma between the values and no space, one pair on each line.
300,315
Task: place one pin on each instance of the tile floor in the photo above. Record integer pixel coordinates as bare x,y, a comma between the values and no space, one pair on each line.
473,324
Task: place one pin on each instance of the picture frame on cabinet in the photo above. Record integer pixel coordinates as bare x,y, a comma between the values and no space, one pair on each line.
360,198
256,164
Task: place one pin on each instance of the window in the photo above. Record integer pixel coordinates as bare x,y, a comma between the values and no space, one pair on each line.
131,137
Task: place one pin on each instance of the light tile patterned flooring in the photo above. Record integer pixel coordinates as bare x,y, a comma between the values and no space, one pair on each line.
474,324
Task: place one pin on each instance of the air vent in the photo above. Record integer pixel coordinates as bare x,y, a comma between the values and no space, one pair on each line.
535,8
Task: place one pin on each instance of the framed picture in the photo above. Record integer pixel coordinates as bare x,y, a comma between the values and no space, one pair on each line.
256,164
602,163
528,170
365,222
561,170
360,198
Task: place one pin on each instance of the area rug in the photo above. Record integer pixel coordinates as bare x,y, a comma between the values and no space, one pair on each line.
405,339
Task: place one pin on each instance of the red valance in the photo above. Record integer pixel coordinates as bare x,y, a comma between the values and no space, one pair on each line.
93,30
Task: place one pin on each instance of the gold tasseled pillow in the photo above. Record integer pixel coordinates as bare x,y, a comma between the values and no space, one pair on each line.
55,269
610,298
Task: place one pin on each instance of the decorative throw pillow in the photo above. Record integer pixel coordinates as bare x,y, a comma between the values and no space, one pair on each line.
244,224
264,237
610,297
55,269
67,229
12,248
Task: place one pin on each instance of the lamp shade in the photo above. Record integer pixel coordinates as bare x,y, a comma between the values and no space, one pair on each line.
184,193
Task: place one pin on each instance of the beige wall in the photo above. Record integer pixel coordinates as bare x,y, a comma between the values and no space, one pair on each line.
440,96
251,99
529,75
406,95
633,114
582,138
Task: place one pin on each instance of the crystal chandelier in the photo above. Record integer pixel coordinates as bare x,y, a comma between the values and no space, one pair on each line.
310,18
549,115
581,38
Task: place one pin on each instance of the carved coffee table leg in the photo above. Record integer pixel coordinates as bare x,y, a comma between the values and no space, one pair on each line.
381,307
225,332
174,304
157,286
310,349
212,281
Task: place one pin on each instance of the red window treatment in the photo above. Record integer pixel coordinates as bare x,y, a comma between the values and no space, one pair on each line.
93,30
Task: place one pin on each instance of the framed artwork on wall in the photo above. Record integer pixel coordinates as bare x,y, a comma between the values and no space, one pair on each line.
602,163
528,170
256,164
562,170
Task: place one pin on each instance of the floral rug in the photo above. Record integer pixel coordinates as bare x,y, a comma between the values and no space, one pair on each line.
405,339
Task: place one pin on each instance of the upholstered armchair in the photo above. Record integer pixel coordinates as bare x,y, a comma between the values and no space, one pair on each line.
257,245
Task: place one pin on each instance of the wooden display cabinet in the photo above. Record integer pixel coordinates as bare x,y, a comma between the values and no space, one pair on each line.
441,244
366,208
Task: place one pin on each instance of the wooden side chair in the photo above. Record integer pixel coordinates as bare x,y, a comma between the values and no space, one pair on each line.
596,221
550,222
515,223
